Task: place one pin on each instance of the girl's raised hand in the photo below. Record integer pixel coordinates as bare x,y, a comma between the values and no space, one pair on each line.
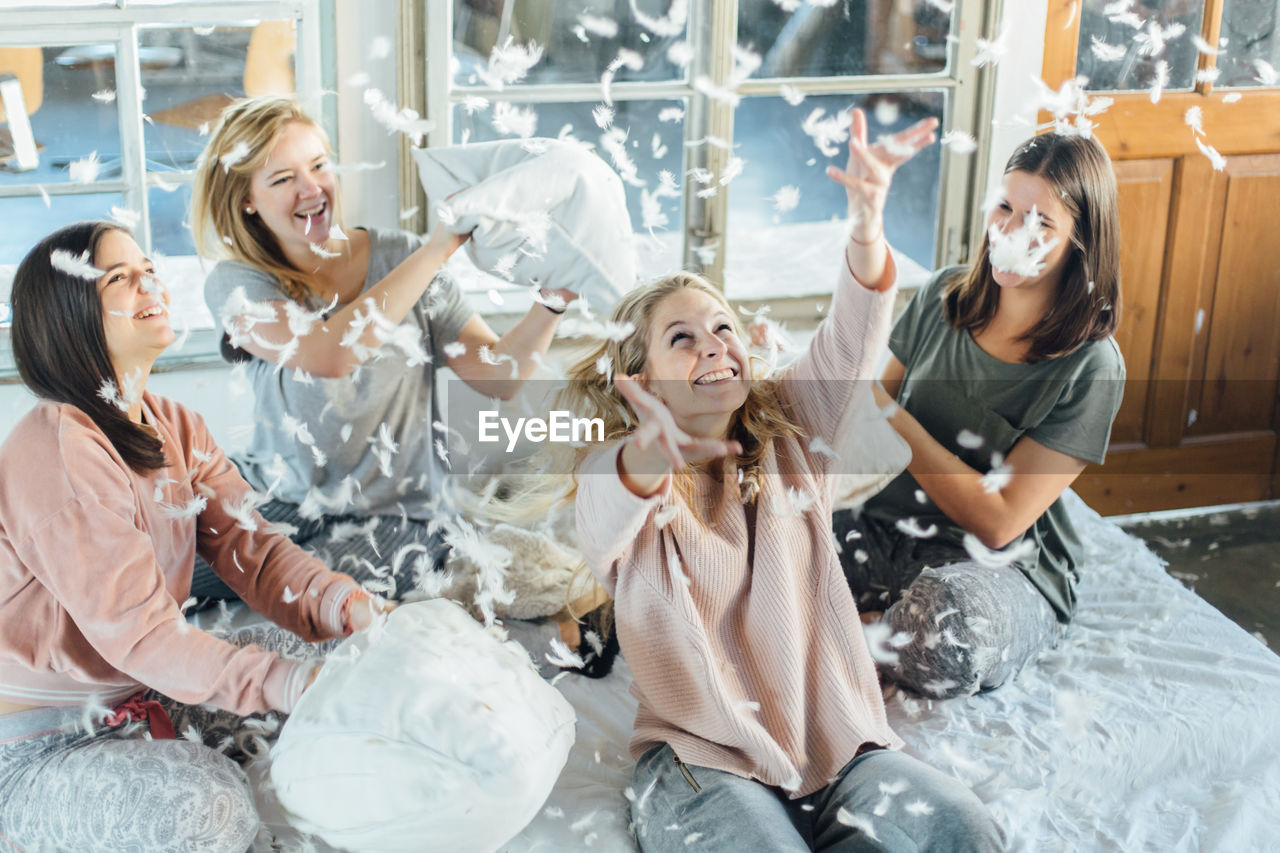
870,170
659,438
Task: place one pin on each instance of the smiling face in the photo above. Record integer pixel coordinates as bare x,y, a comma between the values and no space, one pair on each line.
696,363
1023,191
135,305
294,190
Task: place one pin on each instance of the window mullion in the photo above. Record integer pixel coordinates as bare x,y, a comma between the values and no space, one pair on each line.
133,155
713,29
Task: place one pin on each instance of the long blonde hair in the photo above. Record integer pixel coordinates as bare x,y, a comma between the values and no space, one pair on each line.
590,393
220,226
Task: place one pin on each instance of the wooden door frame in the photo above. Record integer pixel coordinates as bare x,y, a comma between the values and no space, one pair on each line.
1232,129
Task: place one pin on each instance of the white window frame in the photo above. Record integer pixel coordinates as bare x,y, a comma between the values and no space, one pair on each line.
120,23
713,28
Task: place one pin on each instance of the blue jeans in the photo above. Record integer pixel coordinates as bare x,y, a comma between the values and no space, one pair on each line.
881,801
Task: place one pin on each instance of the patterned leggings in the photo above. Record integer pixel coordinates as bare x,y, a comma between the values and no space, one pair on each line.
63,788
362,547
965,627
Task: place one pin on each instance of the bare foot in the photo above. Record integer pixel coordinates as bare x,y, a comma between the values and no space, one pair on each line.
571,634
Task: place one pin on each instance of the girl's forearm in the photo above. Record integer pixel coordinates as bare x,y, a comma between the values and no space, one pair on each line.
953,486
327,350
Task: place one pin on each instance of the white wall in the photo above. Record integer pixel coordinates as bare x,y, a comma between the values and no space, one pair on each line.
1014,112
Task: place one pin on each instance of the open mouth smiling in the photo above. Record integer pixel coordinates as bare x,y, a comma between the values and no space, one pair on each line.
716,377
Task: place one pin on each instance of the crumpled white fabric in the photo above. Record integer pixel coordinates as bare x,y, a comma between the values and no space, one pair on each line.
540,211
422,733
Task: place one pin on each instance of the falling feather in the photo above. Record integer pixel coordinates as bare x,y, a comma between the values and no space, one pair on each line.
1194,119
999,475
969,439
857,821
75,265
672,114
403,120
562,656
1219,162
605,27
786,198
1265,72
959,142
511,120
602,114
1023,250
918,808
85,170
990,52
238,152
1231,97
672,24
792,95
104,96
1159,81
911,527
731,170
944,6
984,556
510,62
826,132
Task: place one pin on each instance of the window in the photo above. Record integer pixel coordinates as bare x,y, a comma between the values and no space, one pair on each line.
721,99
119,98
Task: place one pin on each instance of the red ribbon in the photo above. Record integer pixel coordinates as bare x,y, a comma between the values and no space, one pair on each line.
135,709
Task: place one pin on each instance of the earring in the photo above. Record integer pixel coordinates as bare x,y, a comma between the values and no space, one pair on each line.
248,209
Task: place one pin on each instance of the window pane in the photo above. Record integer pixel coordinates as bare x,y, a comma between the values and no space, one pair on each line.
579,41
1249,49
28,220
70,93
1126,50
168,206
787,218
652,146
858,37
191,73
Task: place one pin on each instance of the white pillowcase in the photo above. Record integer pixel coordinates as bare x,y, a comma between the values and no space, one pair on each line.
422,733
540,211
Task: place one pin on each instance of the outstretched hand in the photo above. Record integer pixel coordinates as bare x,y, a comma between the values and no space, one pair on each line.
870,170
660,445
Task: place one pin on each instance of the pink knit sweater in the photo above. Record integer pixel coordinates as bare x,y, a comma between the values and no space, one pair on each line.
770,622
96,559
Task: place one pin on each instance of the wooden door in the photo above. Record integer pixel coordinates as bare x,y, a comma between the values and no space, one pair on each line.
1200,265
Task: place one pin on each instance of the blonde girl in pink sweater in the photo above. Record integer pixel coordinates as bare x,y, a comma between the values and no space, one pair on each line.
121,725
707,517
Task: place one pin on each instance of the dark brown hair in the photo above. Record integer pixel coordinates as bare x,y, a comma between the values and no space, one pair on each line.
1087,304
60,346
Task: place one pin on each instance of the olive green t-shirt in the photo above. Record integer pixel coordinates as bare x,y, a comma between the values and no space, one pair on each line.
960,393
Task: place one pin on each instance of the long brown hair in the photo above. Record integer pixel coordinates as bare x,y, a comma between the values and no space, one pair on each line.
60,345
219,225
1087,304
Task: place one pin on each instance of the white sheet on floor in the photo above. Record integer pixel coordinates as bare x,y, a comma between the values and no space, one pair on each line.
423,733
1151,726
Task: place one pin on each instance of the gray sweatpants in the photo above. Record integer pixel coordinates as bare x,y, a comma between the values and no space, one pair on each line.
362,547
881,801
956,627
63,788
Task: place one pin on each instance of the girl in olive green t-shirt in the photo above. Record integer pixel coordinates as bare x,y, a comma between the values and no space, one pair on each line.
1007,380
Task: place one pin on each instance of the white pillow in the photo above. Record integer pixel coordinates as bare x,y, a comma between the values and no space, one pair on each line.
540,211
424,733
